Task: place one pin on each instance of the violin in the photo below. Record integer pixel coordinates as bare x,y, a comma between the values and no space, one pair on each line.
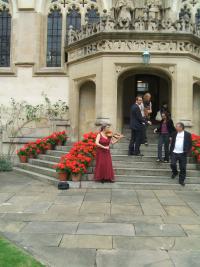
110,134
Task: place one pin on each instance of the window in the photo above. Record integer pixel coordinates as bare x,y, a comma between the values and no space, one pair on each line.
74,19
54,38
142,87
5,34
197,17
92,16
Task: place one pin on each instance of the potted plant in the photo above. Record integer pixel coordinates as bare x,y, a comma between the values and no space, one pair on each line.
23,155
62,137
62,170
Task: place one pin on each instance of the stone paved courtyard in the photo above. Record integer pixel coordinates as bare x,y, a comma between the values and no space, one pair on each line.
101,227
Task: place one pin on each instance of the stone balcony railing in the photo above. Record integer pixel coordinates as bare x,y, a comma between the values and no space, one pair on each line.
107,24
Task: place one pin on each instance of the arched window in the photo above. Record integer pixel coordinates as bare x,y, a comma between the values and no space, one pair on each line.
54,38
74,19
5,35
93,16
197,17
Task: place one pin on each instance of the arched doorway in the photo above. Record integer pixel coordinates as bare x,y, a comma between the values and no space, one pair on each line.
196,108
133,83
87,114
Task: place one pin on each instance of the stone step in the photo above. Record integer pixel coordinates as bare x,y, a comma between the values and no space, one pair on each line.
153,179
116,185
152,172
35,175
166,184
127,162
122,170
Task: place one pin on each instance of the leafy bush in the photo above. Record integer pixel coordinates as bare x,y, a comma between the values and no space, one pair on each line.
5,164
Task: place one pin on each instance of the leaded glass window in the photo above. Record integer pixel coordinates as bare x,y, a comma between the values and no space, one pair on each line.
197,17
92,16
5,35
74,19
54,38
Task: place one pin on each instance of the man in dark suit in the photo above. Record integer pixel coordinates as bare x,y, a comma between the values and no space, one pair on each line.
137,124
181,145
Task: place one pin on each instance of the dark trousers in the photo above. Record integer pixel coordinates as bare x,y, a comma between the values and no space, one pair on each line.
136,141
163,140
182,159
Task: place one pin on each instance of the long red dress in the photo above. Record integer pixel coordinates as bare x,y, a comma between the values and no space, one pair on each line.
104,169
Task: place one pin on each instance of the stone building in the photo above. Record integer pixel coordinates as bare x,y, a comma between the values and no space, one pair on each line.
97,55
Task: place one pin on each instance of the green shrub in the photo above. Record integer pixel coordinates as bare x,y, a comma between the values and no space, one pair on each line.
5,164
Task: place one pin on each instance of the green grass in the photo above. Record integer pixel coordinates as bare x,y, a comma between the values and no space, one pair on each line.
11,256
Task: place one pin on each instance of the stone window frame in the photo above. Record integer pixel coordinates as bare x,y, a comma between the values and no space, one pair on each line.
10,70
70,4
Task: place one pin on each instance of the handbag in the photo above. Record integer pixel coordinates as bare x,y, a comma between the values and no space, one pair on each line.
158,116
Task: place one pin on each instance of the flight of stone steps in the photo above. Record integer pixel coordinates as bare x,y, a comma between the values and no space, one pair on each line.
131,172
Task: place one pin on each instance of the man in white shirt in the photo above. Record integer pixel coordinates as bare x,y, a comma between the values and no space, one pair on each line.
181,145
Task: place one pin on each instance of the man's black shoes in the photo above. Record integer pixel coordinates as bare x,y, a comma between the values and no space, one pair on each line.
174,176
182,183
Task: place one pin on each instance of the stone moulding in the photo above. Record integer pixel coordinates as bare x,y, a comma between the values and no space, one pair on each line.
135,43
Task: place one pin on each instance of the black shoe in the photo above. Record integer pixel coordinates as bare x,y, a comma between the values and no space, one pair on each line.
166,161
146,143
174,176
139,155
159,160
131,154
182,183
102,181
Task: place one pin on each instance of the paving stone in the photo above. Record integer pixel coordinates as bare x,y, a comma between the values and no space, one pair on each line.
179,211
60,209
181,219
143,243
195,207
50,227
118,258
36,239
152,207
106,229
87,241
91,207
158,230
185,259
128,197
99,196
62,257
191,230
69,200
11,226
169,198
4,197
38,207
125,209
131,218
189,196
187,243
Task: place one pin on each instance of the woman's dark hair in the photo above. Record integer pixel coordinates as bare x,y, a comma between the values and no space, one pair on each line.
103,126
166,114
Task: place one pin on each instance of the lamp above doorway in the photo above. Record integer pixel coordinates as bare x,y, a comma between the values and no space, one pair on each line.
146,56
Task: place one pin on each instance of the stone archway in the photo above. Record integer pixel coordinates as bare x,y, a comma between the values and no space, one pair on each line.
196,108
87,113
135,82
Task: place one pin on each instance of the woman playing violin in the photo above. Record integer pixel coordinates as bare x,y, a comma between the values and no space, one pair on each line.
104,169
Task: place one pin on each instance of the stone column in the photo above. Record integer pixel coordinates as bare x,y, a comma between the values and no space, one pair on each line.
183,96
74,109
106,94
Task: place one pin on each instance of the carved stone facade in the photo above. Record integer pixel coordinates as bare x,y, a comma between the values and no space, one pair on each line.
101,46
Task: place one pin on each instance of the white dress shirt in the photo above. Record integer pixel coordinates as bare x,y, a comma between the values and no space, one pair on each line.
178,148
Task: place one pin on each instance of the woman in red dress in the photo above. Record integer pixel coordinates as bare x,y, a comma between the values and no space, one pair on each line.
104,169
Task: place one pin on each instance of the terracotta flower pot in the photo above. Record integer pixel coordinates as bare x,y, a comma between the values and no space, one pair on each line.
23,159
62,176
49,146
31,156
76,178
60,142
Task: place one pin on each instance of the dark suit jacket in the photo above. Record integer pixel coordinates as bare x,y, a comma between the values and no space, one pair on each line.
170,127
137,121
187,145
